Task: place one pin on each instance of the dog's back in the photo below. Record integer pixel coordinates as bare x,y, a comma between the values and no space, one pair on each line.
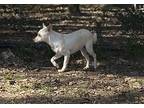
76,40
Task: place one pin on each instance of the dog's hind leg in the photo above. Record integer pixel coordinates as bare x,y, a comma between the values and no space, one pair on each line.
89,48
85,54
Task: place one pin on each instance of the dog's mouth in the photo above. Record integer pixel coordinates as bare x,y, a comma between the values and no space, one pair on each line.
35,40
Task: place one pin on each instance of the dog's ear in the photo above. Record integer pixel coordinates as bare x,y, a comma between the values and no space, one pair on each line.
49,27
44,26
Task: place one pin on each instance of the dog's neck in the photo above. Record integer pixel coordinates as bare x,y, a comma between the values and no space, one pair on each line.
53,38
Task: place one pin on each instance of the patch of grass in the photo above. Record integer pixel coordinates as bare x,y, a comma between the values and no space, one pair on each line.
40,86
46,88
25,87
8,76
18,77
140,81
12,76
82,92
36,86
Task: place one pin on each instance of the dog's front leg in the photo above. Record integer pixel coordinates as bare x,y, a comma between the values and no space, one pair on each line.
65,63
54,58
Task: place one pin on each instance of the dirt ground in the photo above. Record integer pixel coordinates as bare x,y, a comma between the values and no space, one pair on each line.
27,76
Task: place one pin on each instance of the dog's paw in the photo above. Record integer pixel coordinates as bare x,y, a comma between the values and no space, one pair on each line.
60,70
85,68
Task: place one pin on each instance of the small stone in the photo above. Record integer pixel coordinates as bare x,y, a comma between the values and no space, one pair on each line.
54,99
132,80
70,83
32,91
109,88
25,80
110,76
55,88
22,92
75,89
1,71
136,85
127,79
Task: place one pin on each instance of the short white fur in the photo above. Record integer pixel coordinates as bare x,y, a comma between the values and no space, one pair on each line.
67,44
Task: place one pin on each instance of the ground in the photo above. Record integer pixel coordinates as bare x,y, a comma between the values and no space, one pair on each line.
26,79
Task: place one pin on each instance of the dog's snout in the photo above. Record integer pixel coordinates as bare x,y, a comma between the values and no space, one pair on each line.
33,39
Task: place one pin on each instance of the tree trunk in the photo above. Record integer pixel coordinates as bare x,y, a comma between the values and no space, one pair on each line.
74,9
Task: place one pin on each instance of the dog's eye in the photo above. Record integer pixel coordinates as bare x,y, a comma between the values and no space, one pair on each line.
39,35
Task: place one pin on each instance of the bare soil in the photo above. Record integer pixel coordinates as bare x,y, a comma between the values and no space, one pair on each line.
27,76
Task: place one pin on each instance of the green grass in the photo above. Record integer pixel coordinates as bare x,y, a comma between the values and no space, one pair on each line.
12,76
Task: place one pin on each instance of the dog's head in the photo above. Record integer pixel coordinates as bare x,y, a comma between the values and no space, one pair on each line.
43,33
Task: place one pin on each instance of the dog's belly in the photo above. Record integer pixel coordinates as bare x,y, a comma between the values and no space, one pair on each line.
75,50
75,44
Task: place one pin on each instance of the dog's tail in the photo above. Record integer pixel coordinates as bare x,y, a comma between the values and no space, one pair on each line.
94,37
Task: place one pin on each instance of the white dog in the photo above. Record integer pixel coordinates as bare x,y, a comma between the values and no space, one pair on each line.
66,44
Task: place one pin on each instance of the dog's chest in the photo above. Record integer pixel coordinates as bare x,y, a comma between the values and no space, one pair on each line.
56,46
